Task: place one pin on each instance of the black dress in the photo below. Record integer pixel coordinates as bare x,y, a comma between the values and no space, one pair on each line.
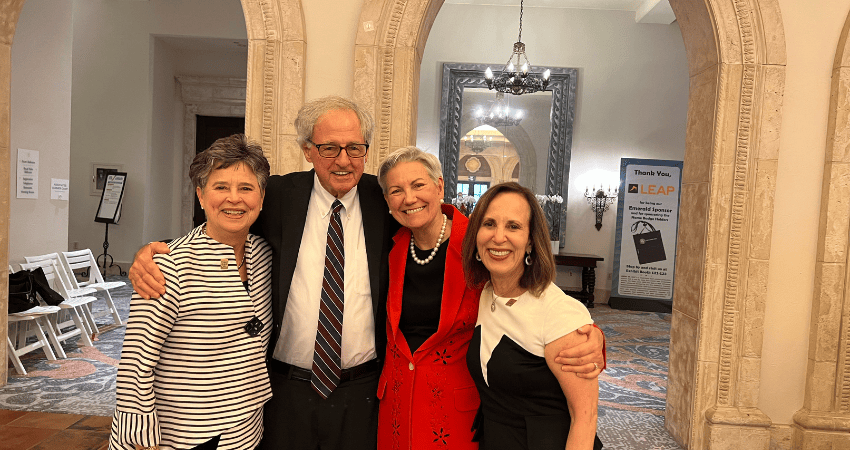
522,404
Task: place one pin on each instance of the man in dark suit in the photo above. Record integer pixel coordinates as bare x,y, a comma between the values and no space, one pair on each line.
333,133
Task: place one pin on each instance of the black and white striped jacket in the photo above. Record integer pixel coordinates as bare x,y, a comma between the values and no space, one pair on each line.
189,370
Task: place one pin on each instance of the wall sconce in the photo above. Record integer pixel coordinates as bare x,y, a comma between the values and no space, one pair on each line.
599,201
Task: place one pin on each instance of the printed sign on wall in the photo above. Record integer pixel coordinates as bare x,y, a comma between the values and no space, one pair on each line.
27,185
647,226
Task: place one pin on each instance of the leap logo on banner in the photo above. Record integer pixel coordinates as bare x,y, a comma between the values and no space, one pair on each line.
651,189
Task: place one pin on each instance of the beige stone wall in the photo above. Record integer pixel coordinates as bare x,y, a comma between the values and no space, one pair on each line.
824,420
10,10
275,87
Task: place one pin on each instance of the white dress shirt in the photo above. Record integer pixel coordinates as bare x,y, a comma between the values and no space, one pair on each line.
300,320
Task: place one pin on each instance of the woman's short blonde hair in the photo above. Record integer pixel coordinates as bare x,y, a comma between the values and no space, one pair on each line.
409,154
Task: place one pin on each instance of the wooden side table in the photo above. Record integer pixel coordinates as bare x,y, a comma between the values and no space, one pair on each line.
588,274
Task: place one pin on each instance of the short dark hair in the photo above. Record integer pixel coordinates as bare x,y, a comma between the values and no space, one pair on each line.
225,152
312,111
536,277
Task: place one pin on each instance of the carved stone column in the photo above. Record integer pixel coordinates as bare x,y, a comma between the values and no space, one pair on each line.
10,10
824,420
388,50
725,225
275,85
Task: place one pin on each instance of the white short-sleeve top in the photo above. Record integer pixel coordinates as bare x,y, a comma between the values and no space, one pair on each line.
531,322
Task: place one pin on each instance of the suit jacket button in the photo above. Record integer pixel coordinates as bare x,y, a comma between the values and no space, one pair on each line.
410,366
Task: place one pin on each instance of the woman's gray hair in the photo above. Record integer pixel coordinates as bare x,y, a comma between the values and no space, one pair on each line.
409,154
310,113
225,152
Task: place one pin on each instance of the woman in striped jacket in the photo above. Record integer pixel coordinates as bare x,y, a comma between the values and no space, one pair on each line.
192,372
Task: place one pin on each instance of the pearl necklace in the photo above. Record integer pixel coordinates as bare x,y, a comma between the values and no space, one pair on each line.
422,262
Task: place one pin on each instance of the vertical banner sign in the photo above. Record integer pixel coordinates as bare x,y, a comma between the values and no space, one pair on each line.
647,226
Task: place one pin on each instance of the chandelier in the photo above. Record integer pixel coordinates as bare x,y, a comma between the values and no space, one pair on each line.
498,115
477,145
511,81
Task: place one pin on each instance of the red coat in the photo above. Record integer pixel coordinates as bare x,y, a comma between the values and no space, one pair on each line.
428,399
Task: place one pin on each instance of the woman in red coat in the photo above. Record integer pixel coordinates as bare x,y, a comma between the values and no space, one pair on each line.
428,399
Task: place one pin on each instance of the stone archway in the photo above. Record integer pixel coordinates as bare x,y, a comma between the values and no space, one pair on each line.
275,87
736,59
274,93
824,420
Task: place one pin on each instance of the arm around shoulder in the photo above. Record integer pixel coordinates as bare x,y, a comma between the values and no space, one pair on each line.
144,274
582,396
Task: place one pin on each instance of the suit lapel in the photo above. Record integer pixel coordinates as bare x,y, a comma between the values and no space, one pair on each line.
293,216
374,211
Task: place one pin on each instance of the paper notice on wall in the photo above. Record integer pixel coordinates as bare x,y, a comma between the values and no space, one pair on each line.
27,186
58,189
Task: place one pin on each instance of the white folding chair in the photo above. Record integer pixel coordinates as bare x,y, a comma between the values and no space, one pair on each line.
81,321
84,259
62,273
30,322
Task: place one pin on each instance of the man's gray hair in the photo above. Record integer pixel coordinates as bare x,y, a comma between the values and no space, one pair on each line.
409,154
225,152
310,113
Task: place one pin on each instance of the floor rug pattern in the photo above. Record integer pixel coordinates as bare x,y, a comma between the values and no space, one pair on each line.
632,391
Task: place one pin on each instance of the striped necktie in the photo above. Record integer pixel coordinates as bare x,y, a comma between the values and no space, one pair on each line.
327,365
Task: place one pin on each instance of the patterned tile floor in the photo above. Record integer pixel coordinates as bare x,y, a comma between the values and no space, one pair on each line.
22,430
632,391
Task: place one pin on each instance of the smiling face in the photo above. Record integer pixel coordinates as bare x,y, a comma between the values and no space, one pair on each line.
337,175
504,239
232,200
413,197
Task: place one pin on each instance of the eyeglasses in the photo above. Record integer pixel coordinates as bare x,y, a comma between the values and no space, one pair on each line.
333,150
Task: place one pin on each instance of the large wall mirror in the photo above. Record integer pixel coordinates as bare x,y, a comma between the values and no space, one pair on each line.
487,138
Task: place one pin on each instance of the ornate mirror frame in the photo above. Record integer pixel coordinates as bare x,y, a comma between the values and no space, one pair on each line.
562,83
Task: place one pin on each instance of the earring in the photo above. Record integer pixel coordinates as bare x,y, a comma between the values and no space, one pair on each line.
442,201
477,256
528,259
391,211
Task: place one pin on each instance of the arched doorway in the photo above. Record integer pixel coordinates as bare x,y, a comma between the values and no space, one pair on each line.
736,58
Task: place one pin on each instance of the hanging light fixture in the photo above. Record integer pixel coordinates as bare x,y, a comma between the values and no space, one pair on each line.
498,115
517,81
477,145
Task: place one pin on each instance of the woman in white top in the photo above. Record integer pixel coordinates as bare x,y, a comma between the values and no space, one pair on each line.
193,371
527,401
